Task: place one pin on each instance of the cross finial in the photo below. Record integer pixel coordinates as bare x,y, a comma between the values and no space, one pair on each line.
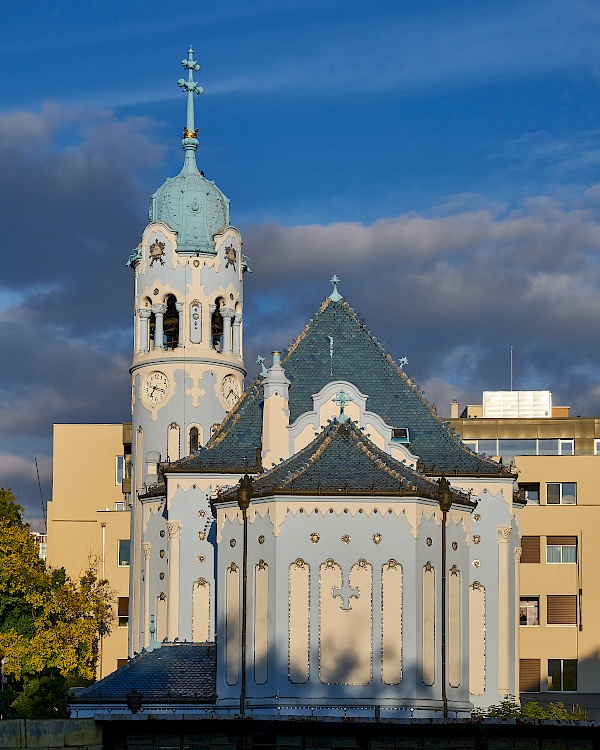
335,296
191,88
402,362
342,399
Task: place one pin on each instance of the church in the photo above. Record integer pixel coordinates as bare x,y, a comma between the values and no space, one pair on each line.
316,542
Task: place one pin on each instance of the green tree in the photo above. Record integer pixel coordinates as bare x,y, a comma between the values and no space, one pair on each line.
510,709
49,625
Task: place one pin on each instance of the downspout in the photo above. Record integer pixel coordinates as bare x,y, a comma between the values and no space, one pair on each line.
102,559
445,500
244,494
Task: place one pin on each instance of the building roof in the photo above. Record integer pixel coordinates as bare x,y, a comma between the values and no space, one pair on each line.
173,673
336,345
342,460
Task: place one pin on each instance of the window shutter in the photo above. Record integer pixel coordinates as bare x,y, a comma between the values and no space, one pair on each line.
561,609
123,606
529,675
561,540
530,546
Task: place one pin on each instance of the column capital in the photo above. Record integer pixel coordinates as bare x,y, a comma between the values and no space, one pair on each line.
179,307
518,552
504,534
146,548
144,312
174,529
227,312
238,319
159,308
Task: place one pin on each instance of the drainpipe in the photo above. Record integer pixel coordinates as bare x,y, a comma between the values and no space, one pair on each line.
445,500
244,494
102,560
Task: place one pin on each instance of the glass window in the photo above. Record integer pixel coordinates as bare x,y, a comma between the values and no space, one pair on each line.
562,674
548,447
596,447
561,553
489,447
529,610
124,552
561,493
531,492
472,444
566,447
517,447
123,611
120,466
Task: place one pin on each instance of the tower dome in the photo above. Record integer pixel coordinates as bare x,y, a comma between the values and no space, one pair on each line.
191,205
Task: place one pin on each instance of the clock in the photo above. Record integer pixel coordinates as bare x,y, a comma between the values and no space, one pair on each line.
156,387
230,390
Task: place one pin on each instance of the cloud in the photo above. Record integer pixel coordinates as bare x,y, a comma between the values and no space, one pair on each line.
451,292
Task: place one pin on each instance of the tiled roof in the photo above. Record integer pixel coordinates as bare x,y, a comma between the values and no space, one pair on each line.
312,362
175,673
342,459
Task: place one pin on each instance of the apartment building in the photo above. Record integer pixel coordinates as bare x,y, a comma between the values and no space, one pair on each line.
88,517
557,459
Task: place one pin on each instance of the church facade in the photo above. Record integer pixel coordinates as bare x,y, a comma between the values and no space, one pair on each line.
320,542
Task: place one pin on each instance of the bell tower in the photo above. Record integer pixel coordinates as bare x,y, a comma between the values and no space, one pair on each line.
188,369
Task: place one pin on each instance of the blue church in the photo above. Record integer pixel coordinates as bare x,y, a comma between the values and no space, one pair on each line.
314,543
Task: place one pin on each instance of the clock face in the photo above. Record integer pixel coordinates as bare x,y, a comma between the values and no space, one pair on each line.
156,387
230,390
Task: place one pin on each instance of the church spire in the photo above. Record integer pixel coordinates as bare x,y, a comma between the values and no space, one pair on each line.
190,142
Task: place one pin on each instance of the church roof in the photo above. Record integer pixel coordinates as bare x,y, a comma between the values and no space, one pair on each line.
173,673
354,355
342,460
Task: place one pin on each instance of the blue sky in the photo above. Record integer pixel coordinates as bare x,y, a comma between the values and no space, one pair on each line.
442,158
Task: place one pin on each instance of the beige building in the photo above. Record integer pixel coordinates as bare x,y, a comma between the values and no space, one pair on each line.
557,460
88,517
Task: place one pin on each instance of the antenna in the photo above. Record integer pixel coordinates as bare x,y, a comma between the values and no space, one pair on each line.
511,368
37,471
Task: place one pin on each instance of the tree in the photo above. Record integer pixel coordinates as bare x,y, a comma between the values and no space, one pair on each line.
49,625
510,709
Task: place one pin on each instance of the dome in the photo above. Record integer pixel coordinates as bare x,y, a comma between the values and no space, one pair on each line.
192,206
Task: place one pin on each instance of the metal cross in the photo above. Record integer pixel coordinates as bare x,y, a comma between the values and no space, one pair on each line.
345,593
335,296
191,88
342,400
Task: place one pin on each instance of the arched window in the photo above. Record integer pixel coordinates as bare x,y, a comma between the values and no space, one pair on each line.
171,323
194,440
217,325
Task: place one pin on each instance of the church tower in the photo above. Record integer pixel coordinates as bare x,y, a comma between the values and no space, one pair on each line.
188,369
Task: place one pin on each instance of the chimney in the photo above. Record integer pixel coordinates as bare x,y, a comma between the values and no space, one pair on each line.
454,409
276,414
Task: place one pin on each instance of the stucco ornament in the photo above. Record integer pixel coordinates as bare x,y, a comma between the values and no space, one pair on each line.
157,252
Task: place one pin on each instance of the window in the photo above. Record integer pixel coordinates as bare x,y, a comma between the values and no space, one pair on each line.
400,434
561,493
566,447
596,447
120,505
124,552
561,609
562,674
489,447
529,610
531,492
171,324
548,447
123,611
529,675
561,549
530,549
121,662
194,440
120,469
517,447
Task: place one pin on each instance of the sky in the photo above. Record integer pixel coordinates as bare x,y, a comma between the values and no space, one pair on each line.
443,159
